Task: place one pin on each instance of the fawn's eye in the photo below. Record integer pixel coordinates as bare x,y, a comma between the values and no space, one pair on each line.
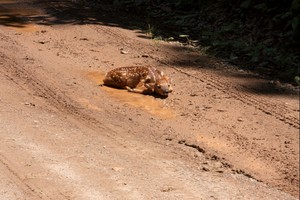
158,86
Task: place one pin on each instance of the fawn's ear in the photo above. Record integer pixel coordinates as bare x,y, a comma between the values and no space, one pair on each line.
168,79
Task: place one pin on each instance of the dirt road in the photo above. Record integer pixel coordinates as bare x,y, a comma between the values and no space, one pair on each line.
222,134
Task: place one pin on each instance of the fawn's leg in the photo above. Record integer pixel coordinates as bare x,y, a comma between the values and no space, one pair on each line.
140,88
149,86
136,90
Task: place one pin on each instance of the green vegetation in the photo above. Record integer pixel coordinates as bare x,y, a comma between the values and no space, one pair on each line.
260,35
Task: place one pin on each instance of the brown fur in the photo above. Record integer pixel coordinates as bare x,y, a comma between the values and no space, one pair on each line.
145,80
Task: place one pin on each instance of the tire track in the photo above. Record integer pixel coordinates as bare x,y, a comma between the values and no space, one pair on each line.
280,112
24,78
33,191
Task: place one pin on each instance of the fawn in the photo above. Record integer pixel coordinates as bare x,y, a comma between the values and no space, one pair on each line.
139,79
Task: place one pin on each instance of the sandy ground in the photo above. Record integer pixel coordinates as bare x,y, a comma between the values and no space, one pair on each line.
222,134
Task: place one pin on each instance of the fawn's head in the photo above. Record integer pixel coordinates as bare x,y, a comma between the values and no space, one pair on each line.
163,86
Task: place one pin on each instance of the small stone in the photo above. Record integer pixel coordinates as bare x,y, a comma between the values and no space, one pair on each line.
43,42
181,141
29,104
207,107
124,52
167,189
205,169
117,169
267,112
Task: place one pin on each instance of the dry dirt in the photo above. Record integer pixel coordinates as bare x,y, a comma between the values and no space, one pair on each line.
222,134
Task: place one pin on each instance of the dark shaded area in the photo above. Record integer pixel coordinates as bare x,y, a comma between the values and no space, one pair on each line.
257,35
60,12
255,84
258,83
270,88
11,14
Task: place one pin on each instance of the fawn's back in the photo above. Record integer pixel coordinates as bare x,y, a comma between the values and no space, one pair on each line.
141,79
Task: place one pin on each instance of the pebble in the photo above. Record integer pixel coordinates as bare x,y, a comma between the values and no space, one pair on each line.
207,107
122,51
117,169
29,104
205,169
240,119
43,42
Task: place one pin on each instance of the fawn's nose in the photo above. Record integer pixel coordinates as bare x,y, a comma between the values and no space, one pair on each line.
166,92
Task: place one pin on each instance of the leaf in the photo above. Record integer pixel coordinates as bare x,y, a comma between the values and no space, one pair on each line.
268,41
297,80
183,36
285,15
295,23
233,57
158,38
228,27
180,22
254,58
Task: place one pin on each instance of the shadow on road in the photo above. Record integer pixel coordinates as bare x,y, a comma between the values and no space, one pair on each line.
24,13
